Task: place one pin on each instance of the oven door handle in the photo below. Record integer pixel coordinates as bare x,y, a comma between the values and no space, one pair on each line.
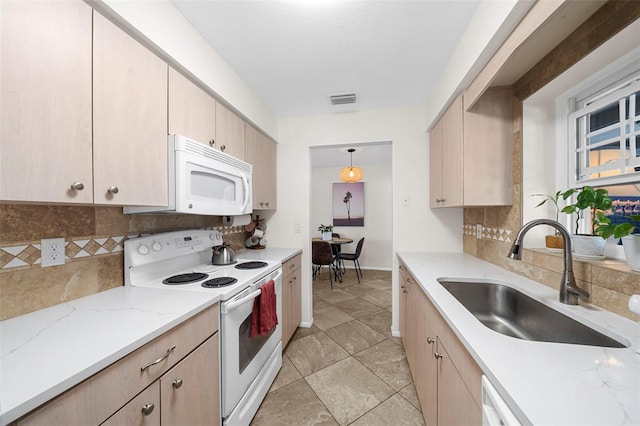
228,307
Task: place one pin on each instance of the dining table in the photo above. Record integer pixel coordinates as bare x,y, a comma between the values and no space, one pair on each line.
335,240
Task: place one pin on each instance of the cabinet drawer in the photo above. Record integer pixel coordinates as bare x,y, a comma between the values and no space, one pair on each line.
291,265
134,412
98,397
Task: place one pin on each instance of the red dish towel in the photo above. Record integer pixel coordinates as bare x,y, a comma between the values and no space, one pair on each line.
264,316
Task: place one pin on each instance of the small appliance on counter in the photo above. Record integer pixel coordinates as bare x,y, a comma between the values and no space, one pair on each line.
183,261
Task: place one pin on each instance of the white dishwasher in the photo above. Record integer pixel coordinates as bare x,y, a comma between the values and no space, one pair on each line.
495,411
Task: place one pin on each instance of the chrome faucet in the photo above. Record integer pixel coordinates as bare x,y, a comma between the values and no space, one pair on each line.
569,291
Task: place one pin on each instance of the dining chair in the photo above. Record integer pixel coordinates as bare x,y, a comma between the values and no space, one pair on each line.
354,258
321,255
335,248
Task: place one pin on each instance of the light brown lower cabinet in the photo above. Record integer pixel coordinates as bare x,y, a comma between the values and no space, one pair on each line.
446,377
172,380
291,298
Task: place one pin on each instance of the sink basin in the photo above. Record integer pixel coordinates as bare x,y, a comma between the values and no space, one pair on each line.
513,313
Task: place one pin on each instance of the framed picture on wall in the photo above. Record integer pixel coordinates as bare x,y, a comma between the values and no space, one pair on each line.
348,204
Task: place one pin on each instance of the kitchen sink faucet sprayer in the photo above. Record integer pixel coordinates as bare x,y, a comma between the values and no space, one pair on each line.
570,293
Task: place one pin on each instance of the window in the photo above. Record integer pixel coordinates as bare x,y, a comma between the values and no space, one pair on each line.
606,136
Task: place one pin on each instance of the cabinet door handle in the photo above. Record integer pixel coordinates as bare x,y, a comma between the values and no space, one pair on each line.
147,409
77,186
404,289
113,190
429,340
165,356
212,142
402,267
223,147
177,383
437,355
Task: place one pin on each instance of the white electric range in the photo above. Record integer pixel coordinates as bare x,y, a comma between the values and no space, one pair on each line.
181,261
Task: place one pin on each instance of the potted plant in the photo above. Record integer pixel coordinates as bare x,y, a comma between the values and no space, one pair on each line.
630,241
597,201
553,241
327,231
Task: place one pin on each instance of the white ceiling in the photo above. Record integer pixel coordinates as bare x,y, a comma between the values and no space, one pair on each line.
294,54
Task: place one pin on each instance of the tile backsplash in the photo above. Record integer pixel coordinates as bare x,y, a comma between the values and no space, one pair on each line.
94,241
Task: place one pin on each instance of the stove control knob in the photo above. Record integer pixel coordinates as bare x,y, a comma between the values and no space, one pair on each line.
156,246
143,249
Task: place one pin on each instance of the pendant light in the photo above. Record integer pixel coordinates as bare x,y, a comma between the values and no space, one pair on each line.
351,174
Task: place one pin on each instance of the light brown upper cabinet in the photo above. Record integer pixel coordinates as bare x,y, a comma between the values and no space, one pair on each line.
129,119
471,153
45,102
261,153
445,158
230,132
192,111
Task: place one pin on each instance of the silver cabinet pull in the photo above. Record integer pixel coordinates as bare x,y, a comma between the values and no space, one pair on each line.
223,147
437,355
177,383
267,204
147,409
404,289
77,186
113,190
212,142
165,356
429,340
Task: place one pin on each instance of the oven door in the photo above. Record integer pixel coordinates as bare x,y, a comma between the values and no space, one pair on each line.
243,356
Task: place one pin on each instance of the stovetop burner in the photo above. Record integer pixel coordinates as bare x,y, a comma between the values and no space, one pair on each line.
185,278
251,265
219,282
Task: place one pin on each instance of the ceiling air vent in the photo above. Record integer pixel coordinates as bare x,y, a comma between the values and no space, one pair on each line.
345,98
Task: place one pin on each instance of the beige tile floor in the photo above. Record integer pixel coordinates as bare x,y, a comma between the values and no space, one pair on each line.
347,369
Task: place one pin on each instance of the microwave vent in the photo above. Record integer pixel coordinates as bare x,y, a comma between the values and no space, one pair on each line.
199,149
343,99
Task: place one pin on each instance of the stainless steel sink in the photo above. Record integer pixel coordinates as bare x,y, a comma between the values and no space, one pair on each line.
513,313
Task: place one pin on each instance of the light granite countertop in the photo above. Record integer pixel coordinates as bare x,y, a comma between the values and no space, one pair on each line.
543,383
46,352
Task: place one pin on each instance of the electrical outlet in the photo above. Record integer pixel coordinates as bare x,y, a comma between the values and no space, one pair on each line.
52,252
479,231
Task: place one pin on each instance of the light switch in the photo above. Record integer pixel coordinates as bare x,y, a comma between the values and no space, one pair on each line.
406,201
296,228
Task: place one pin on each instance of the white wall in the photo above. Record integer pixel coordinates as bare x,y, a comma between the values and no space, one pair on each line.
415,227
167,28
378,226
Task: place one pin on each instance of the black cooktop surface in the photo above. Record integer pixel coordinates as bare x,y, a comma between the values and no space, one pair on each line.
219,282
251,265
185,278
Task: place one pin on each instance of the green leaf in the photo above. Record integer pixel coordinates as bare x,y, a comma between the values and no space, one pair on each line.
623,230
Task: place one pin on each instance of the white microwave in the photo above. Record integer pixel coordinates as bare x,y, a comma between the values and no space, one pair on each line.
204,181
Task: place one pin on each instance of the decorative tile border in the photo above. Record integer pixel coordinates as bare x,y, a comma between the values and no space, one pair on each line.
27,255
497,234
